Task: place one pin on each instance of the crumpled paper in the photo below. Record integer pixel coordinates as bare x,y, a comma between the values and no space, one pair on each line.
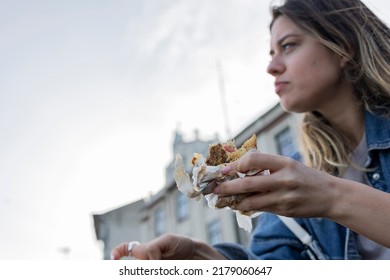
205,178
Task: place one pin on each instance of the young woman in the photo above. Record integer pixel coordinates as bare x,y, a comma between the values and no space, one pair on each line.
331,62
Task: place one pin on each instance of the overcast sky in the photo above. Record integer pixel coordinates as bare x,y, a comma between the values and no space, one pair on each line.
91,92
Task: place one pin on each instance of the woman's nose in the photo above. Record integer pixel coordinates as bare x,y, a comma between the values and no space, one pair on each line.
276,67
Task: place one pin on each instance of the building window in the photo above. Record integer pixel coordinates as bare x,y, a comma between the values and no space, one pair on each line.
285,144
159,221
182,206
214,232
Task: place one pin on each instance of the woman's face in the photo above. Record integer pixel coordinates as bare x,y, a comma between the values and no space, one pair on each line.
307,74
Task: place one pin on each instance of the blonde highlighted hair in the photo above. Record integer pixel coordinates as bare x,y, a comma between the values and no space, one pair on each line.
353,31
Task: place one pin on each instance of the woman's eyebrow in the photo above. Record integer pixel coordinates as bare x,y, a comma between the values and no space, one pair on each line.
279,42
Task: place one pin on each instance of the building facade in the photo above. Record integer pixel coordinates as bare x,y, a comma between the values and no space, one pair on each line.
169,211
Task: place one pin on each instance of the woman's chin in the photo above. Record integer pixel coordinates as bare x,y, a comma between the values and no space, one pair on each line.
292,108
286,105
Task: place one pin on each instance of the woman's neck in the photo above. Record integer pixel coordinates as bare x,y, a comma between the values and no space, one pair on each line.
347,117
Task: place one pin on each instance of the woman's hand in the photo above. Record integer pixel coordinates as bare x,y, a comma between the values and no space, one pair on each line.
292,189
295,190
168,247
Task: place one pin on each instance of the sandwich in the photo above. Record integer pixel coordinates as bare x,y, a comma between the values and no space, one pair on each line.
223,153
206,176
219,155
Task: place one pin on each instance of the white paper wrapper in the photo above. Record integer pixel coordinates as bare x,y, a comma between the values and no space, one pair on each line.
204,179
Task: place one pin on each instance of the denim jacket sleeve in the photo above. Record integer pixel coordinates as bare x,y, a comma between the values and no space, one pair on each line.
271,240
234,251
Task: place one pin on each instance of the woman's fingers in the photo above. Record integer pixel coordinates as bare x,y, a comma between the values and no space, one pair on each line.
249,184
256,202
258,161
163,247
284,172
120,251
138,251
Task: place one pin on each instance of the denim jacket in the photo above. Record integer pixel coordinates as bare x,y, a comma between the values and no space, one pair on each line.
271,239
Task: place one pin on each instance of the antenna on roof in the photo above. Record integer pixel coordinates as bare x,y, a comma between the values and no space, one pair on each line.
221,84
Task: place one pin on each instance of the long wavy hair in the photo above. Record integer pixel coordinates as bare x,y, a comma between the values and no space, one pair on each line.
353,31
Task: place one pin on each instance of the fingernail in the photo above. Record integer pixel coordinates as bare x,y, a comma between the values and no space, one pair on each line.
226,169
216,190
112,257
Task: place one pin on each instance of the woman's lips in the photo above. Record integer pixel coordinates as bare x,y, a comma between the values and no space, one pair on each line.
279,86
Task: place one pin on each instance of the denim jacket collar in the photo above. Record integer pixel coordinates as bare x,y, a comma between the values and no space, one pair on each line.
377,132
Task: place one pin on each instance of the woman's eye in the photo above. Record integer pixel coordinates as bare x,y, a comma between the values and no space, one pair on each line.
287,46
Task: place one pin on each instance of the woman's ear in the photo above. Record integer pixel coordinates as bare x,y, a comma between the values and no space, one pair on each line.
346,57
343,61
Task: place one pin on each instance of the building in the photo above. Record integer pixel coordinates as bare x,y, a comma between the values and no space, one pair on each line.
115,226
169,211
